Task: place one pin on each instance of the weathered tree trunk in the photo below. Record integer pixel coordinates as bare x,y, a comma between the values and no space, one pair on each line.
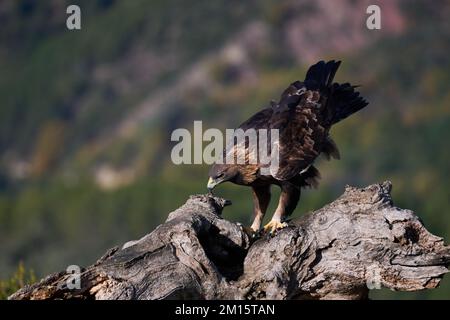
359,241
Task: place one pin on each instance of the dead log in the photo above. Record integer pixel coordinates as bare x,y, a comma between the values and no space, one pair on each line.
360,241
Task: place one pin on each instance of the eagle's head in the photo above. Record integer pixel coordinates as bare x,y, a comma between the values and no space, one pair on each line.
221,173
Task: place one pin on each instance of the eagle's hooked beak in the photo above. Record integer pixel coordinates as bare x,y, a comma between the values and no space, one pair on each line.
211,184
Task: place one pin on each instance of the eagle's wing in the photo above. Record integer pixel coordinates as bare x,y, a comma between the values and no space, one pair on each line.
301,133
241,149
297,117
259,120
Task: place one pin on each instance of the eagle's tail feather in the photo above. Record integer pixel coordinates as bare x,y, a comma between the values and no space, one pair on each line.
321,74
345,101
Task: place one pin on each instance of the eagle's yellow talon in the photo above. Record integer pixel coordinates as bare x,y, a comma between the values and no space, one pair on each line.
273,226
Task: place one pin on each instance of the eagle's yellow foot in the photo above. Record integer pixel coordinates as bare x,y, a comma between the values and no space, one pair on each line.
273,226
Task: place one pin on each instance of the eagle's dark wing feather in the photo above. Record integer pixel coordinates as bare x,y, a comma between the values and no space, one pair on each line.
259,120
330,149
298,120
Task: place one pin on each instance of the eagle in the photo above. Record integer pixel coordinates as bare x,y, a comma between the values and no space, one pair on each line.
303,116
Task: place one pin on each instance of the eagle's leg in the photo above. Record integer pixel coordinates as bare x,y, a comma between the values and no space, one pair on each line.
261,199
290,194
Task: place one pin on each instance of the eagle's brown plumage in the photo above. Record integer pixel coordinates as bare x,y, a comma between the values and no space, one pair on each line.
303,115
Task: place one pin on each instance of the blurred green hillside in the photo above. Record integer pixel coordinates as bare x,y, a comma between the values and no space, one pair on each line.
86,116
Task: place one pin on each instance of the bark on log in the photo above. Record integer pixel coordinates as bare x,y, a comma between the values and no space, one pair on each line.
358,242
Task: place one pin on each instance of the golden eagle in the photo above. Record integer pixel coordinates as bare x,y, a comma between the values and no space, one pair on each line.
303,116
